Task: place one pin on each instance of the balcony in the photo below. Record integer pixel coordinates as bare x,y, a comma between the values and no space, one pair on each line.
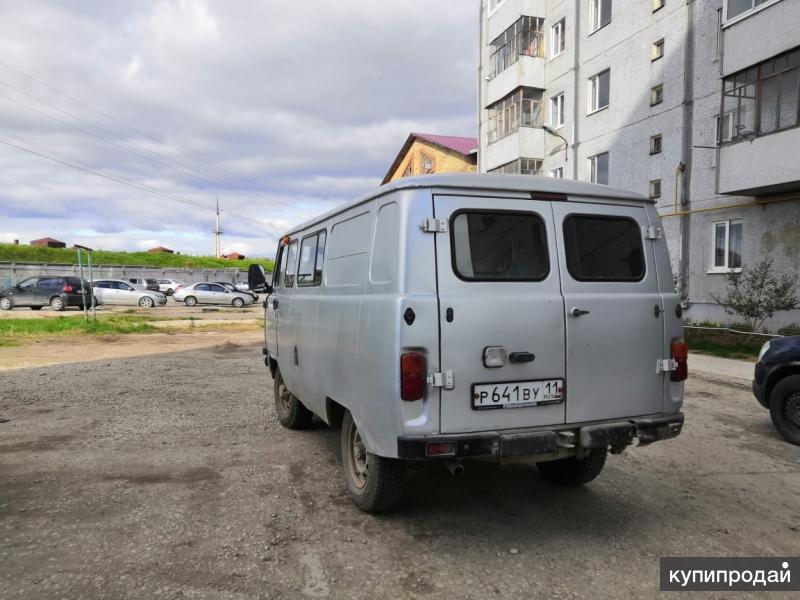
764,166
525,142
528,71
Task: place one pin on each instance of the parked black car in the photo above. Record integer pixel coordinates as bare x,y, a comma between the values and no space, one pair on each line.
776,384
36,292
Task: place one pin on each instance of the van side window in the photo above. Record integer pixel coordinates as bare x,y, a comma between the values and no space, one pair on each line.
312,253
288,271
499,246
385,245
278,276
603,248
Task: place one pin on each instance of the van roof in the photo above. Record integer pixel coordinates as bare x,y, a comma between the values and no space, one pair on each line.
489,182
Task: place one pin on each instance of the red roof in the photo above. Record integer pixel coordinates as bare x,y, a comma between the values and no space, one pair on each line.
462,145
47,239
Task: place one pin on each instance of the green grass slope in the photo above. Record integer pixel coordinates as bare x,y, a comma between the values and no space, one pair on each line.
35,254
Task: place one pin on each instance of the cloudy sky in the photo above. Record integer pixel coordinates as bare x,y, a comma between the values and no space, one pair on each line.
282,109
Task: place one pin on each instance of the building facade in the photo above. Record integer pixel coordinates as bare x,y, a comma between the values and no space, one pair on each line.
694,103
424,153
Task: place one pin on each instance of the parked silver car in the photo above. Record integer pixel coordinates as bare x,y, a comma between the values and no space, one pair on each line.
211,293
168,286
119,292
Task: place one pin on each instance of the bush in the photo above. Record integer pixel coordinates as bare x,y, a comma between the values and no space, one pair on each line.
755,294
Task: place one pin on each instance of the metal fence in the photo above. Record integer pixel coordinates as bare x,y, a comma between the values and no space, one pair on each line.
13,272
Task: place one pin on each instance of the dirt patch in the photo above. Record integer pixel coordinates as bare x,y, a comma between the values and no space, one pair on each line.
188,476
42,443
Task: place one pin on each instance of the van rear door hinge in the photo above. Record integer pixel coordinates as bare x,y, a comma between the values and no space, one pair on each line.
666,365
652,233
442,380
432,225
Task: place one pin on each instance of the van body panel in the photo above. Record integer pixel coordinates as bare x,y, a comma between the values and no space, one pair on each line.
612,349
518,316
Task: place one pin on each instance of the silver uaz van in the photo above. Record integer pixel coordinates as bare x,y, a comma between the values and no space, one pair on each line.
455,317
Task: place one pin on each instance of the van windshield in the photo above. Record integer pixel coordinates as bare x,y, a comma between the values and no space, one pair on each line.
499,245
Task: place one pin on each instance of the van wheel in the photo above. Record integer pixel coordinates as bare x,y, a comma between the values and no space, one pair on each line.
784,408
56,303
375,483
574,471
291,412
190,301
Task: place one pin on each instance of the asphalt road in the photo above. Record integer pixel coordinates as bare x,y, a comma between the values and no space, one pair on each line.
169,476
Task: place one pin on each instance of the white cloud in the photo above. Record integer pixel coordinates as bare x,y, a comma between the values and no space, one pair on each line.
280,109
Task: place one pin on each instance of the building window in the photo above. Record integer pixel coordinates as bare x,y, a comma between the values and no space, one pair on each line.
737,7
658,50
426,164
655,144
557,173
656,94
727,246
599,90
598,168
521,166
557,111
724,128
558,38
521,108
655,189
600,13
658,4
764,98
523,38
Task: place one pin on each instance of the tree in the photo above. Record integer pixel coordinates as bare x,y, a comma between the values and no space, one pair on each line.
757,293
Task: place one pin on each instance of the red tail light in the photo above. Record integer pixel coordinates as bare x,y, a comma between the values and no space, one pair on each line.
679,352
413,369
67,289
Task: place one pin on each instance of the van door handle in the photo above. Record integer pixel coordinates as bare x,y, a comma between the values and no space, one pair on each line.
578,312
521,357
275,304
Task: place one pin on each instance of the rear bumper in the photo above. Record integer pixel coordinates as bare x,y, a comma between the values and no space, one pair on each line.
526,443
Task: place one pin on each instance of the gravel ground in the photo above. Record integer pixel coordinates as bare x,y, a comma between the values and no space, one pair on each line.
169,476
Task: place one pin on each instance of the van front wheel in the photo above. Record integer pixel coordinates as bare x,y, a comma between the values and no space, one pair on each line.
574,471
291,412
375,483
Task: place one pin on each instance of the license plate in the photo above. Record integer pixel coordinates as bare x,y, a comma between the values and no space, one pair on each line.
517,394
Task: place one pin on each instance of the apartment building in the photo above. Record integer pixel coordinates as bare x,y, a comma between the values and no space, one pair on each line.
692,102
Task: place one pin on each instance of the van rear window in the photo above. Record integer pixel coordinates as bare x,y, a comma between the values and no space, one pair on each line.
499,245
602,248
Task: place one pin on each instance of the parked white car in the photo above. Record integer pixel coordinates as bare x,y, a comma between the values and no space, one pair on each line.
451,317
168,286
123,293
211,293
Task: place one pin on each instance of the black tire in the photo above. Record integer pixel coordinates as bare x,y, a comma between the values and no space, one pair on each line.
6,304
784,408
291,412
146,302
375,483
237,303
190,301
574,471
57,303
35,307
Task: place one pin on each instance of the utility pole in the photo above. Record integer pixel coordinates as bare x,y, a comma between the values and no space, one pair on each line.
217,235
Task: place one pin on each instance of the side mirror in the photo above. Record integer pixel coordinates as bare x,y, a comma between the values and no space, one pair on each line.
257,279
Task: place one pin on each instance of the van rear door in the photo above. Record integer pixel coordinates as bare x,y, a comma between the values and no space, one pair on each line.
613,311
501,314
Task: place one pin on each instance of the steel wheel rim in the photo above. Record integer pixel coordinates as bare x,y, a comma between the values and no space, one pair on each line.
283,399
792,410
357,457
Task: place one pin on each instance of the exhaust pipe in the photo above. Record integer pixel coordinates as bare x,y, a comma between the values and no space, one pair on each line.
455,467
